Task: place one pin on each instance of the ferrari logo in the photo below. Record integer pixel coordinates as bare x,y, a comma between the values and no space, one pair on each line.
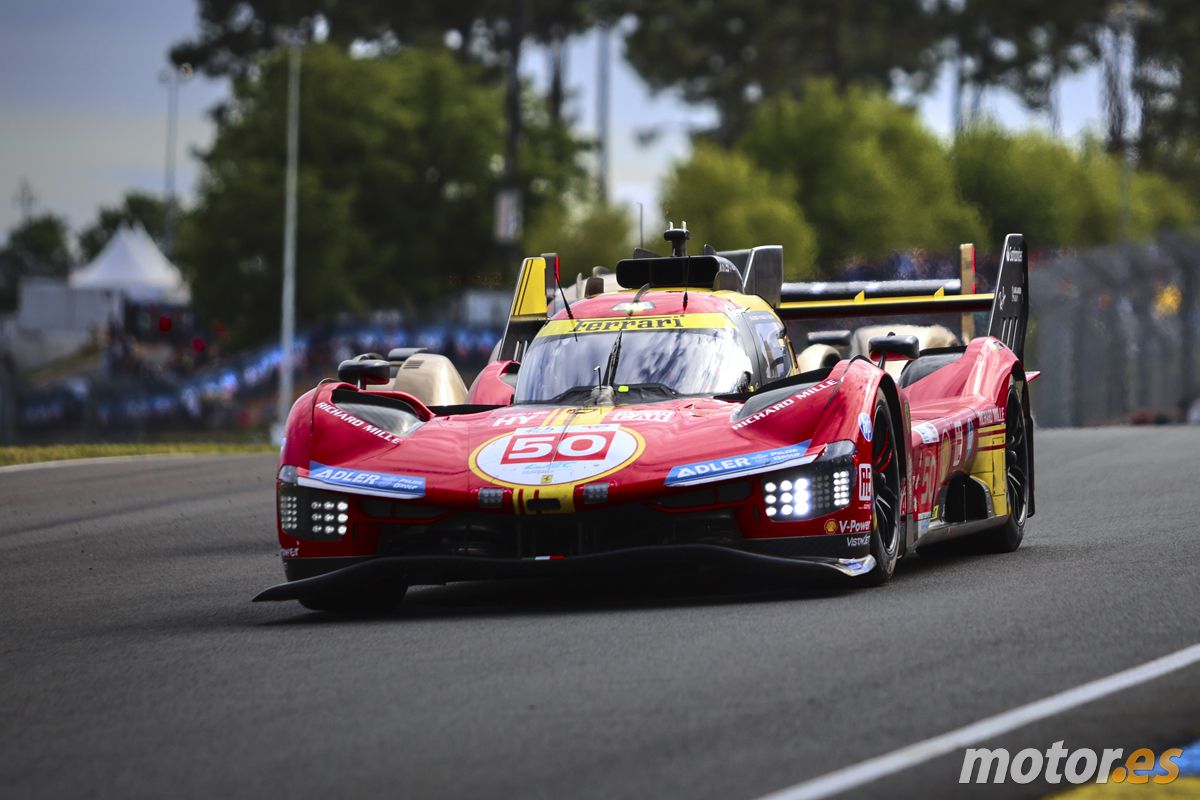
547,479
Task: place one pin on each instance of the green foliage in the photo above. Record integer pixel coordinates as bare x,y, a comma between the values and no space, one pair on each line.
868,175
733,54
862,177
37,247
731,203
398,175
1058,195
1167,83
583,234
1028,182
1161,204
234,33
395,190
136,208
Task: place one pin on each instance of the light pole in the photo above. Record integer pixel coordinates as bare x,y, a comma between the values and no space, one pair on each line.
288,329
171,77
603,104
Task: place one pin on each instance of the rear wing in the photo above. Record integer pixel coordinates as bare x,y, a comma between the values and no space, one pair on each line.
1009,304
761,270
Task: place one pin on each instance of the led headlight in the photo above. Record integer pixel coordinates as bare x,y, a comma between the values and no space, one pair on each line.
812,490
288,499
311,513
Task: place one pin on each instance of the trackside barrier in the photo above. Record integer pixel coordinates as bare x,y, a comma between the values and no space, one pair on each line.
1113,331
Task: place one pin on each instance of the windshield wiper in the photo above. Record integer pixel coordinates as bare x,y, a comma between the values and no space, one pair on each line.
614,357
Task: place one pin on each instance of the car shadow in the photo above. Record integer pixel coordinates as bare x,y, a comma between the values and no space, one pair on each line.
639,592
590,595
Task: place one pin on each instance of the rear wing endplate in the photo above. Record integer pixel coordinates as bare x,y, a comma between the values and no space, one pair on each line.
1010,311
529,308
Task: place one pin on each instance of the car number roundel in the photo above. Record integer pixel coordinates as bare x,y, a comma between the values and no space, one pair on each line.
551,455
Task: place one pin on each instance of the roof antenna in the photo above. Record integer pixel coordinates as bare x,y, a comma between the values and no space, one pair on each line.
563,294
678,237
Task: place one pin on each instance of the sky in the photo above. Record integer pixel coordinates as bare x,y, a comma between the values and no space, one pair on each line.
83,113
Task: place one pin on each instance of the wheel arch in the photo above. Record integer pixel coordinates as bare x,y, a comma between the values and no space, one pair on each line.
900,423
892,395
1018,381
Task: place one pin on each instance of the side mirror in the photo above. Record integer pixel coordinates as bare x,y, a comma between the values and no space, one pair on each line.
906,346
368,372
831,338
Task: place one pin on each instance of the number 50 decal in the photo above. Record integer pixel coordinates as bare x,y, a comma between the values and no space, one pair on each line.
537,448
548,456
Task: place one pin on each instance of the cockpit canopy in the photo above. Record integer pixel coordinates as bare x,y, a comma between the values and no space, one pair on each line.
656,363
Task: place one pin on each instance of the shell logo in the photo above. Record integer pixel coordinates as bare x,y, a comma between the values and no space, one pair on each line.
830,526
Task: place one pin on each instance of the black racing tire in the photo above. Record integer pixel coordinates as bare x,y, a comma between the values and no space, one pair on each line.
886,525
370,601
1007,537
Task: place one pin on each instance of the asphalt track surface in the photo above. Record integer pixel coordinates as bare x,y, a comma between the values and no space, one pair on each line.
132,663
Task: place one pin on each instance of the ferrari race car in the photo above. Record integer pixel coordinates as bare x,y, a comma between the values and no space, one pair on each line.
662,426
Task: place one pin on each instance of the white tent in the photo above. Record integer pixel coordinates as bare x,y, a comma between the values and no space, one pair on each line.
132,265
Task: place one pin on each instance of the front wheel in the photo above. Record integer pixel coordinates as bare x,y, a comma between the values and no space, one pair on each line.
886,524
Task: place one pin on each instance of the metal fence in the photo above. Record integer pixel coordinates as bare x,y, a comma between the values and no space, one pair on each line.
1113,331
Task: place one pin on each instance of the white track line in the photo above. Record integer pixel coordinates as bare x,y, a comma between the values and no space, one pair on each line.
856,775
75,462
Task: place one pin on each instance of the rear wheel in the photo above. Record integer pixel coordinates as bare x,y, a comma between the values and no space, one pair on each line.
885,504
1008,536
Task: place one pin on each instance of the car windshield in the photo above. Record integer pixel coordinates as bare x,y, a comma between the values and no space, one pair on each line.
653,365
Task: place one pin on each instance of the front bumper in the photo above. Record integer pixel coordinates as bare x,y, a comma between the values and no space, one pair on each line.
313,577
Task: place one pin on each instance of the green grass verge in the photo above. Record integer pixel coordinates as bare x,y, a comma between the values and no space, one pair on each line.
57,452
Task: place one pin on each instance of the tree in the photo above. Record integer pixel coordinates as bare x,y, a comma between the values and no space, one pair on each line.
734,54
868,175
398,170
38,246
731,203
136,208
234,34
1058,195
1026,182
1166,81
1156,202
1025,46
394,191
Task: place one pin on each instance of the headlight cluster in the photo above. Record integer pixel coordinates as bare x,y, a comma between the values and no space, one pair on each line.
329,516
313,514
289,511
813,490
794,498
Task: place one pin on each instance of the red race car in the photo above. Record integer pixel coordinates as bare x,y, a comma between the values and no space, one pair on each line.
662,426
